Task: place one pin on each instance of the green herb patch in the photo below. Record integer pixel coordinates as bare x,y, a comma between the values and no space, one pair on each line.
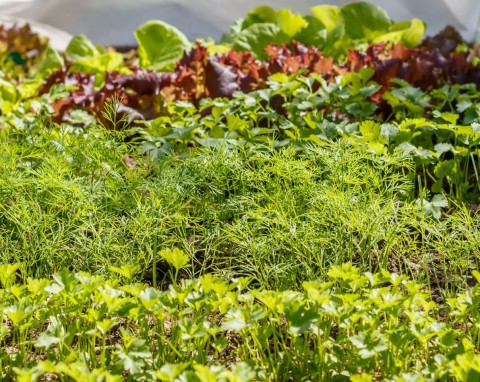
248,214
84,200
353,326
440,130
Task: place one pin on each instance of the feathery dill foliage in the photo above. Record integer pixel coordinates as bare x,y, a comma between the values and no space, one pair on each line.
84,200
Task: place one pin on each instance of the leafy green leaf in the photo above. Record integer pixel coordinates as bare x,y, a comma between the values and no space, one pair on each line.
370,130
439,201
433,208
389,131
290,23
444,168
133,356
369,343
409,33
442,148
160,44
299,317
329,15
80,47
169,372
236,324
175,257
376,147
414,34
217,132
128,271
9,96
256,38
235,123
451,118
466,367
105,325
364,20
476,274
46,340
51,61
364,377
106,62
314,33
259,15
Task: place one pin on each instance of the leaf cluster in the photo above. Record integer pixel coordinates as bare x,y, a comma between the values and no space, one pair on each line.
331,29
199,75
21,50
353,326
438,129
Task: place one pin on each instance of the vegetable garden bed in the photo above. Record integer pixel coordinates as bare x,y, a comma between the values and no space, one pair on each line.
297,202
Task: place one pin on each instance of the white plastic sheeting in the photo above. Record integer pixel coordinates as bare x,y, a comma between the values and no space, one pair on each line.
59,39
113,21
